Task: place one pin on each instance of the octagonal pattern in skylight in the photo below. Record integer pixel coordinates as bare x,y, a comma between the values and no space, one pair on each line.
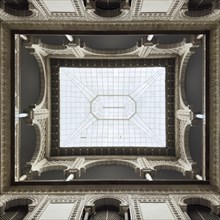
112,107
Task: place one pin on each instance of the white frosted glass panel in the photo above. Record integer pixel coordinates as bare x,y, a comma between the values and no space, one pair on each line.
156,211
57,211
59,5
156,5
112,107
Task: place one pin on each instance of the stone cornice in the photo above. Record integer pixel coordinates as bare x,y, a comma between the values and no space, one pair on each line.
5,126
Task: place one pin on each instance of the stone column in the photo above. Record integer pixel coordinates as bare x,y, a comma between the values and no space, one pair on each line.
22,115
86,216
148,177
70,177
23,178
198,177
88,211
124,210
126,215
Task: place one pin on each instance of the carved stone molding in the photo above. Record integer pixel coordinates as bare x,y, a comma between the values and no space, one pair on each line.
208,201
141,165
142,49
212,13
136,210
214,108
176,202
11,201
5,108
48,15
5,96
134,13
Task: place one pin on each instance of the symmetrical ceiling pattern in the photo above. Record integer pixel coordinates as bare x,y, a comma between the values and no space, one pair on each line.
102,107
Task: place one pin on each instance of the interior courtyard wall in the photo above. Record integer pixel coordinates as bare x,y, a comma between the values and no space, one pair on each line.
41,192
177,203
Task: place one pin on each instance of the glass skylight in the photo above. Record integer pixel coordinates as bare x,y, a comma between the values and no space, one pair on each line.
112,107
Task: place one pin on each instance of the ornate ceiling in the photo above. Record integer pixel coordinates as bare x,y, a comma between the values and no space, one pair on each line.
41,16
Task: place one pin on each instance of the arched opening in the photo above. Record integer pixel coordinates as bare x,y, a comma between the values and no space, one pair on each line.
106,8
169,175
110,172
169,172
15,209
199,212
107,208
199,8
18,8
28,143
195,145
52,175
106,212
199,208
194,72
15,213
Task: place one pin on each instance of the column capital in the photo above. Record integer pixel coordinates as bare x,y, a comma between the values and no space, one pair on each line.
89,208
148,171
124,208
71,171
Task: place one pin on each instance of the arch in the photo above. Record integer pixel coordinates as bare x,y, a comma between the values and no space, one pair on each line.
43,79
186,132
199,200
40,141
170,167
182,71
32,46
100,203
22,10
185,155
20,201
131,164
200,212
108,200
52,167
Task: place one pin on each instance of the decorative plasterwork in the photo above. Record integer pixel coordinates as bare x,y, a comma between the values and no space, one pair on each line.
5,108
90,15
142,49
31,14
58,200
155,26
206,14
56,150
184,114
176,203
40,11
77,14
38,114
178,49
141,165
209,201
10,201
173,10
17,105
136,210
214,108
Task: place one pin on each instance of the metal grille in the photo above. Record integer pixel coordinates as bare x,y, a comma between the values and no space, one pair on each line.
197,212
15,213
106,213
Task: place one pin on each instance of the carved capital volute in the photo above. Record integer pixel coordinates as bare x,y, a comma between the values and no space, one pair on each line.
124,208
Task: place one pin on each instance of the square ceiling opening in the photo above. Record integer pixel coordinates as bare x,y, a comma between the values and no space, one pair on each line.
112,107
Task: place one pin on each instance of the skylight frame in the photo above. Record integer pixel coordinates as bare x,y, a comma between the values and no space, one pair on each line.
112,106
168,63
